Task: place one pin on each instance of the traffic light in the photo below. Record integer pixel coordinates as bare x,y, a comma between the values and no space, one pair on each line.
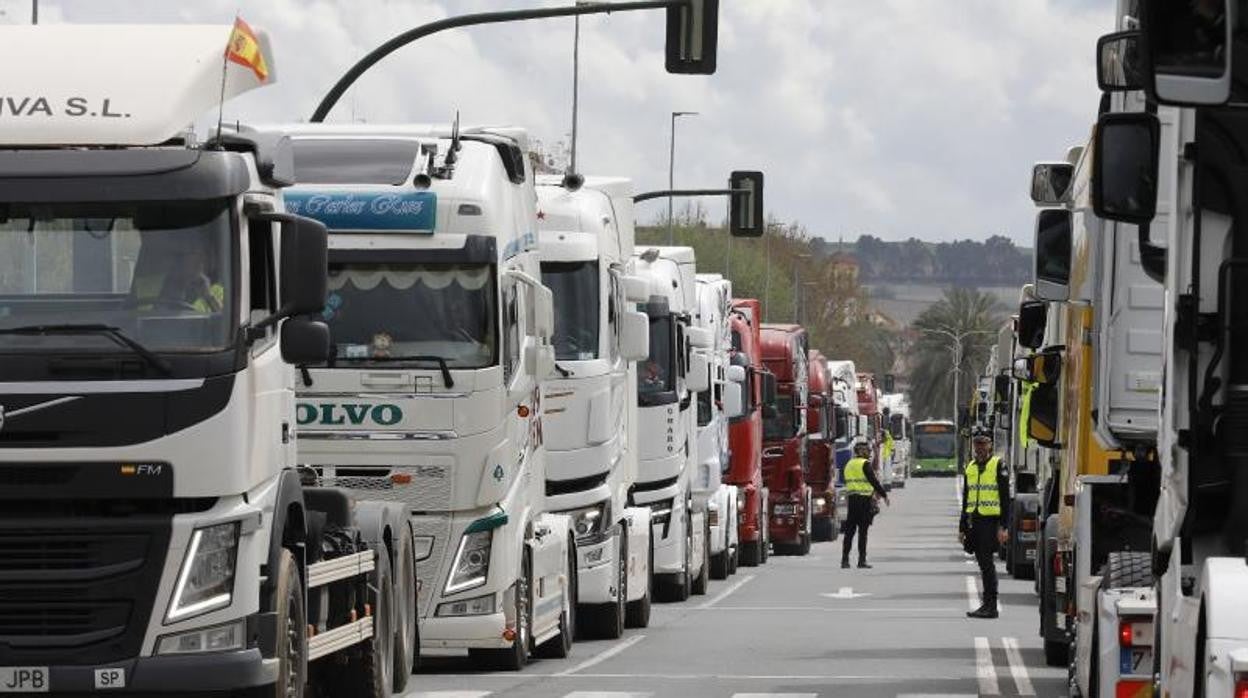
692,37
745,212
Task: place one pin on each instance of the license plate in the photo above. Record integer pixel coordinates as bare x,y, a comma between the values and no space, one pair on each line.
1059,585
24,679
1031,553
785,509
1136,660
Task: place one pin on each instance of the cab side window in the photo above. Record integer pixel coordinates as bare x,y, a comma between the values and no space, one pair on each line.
511,332
262,273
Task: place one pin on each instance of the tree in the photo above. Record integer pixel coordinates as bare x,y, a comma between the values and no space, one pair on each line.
964,311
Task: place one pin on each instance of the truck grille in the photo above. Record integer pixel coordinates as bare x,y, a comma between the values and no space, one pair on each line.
89,587
425,488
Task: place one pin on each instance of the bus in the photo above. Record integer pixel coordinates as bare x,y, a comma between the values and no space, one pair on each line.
935,448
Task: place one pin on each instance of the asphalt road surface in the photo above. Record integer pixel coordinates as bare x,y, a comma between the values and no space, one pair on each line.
802,626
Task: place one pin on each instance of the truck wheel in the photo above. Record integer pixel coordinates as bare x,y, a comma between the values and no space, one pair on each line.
1056,653
406,632
765,520
719,565
734,559
606,621
702,581
292,637
637,613
515,657
751,553
368,667
804,546
1129,569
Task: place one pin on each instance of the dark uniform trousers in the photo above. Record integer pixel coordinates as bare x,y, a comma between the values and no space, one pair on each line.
984,540
857,520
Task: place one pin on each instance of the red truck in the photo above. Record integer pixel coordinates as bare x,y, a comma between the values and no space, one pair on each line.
821,454
785,454
745,433
869,410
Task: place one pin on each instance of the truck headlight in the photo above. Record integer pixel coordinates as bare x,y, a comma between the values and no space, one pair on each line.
206,581
589,521
820,503
740,501
218,638
472,562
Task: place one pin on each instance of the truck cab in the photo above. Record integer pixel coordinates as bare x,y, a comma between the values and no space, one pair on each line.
667,384
745,433
845,401
821,473
432,396
785,439
872,417
586,233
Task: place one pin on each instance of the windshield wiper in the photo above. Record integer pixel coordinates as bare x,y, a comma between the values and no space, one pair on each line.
563,371
447,380
113,333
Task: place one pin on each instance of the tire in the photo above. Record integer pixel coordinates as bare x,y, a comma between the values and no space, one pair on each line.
560,647
734,559
1128,569
513,658
368,671
637,613
679,588
720,565
606,621
292,638
766,531
1056,653
702,582
803,548
406,633
751,553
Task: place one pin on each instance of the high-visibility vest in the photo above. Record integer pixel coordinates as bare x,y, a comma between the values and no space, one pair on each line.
982,495
886,453
217,294
856,481
1024,414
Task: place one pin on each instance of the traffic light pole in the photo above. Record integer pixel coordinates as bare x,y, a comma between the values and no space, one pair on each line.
373,57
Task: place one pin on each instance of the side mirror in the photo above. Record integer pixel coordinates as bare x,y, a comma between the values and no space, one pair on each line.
636,289
734,400
769,394
699,337
539,360
1189,48
692,37
305,267
1054,230
745,210
634,335
890,383
1050,182
735,374
1126,154
304,341
1119,65
1044,368
1032,318
1042,416
699,376
1002,386
543,303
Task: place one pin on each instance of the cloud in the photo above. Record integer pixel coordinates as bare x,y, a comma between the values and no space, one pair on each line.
895,117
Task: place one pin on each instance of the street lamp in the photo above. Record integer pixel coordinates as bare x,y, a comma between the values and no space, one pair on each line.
671,171
957,338
797,289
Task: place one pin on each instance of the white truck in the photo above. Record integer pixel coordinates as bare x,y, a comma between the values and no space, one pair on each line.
154,294
721,401
667,382
898,424
586,232
432,394
845,396
1197,177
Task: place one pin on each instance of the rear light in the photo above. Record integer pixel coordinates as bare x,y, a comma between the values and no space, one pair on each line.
1134,689
1241,686
1125,635
1029,525
1059,568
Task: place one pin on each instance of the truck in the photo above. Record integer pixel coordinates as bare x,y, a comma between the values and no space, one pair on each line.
717,405
672,374
845,398
745,433
1102,409
432,397
897,405
871,416
785,439
821,475
1189,193
585,241
1019,551
148,391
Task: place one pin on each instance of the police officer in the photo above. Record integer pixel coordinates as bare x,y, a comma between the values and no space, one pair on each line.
986,498
861,484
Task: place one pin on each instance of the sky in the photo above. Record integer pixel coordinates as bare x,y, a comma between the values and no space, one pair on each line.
896,118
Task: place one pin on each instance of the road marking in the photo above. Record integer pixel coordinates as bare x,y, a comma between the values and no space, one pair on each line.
839,609
1018,668
972,594
985,671
846,593
724,594
775,695
603,655
606,694
447,694
936,695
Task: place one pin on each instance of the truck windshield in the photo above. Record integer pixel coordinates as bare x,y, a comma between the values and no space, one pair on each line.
934,445
157,273
656,375
574,286
413,313
897,425
780,426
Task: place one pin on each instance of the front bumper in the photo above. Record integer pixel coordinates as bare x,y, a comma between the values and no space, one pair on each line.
464,632
596,570
200,673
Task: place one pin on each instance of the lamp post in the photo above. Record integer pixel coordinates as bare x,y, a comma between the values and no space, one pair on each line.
671,171
957,338
797,289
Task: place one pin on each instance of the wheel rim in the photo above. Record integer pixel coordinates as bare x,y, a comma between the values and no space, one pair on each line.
405,606
522,612
294,657
622,596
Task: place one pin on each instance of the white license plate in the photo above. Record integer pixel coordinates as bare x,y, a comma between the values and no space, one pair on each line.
785,509
1059,585
24,679
1031,553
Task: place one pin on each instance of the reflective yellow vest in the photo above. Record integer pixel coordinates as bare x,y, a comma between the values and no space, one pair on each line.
982,495
1024,414
856,482
887,452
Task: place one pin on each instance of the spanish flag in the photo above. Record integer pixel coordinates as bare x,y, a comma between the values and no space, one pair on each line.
244,49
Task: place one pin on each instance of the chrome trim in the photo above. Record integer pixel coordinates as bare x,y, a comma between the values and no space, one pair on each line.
376,435
35,408
137,386
302,395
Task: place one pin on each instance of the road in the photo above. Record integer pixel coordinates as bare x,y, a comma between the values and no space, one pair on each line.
805,627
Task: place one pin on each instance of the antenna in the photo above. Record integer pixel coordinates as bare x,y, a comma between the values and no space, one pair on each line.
451,157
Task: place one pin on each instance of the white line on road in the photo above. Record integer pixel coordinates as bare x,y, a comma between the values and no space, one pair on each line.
985,671
724,594
775,695
606,694
972,594
840,609
936,695
1018,668
603,655
447,694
